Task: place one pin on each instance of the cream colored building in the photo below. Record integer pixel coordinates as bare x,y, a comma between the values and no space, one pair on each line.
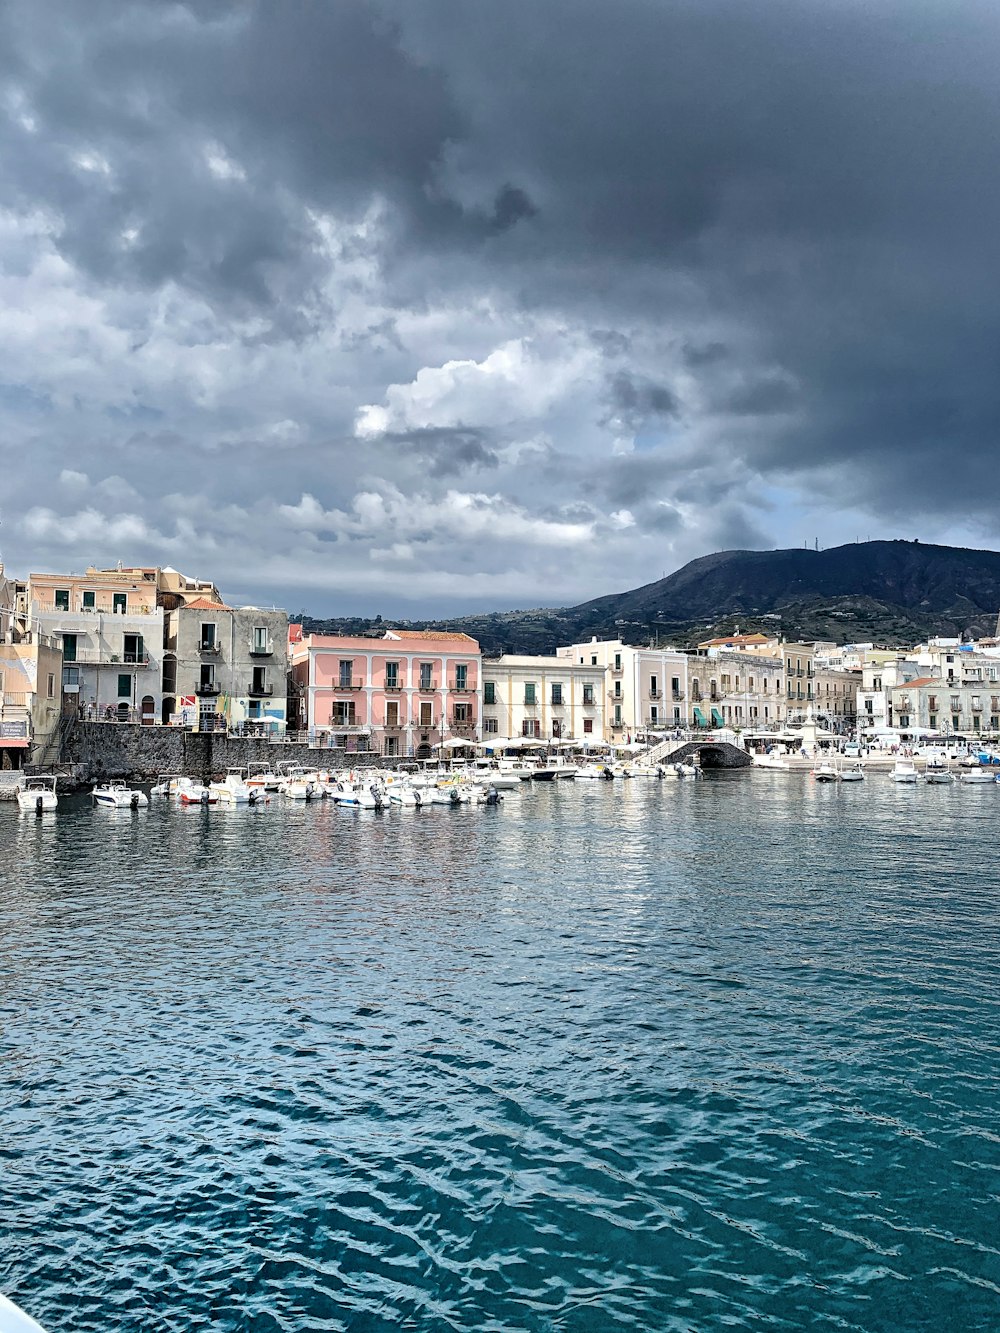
543,698
110,629
646,689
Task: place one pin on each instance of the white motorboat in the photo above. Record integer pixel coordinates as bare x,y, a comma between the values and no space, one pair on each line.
977,777
643,770
826,772
904,770
194,793
852,773
119,796
234,790
595,772
38,796
937,772
261,778
550,770
14,1320
682,770
401,793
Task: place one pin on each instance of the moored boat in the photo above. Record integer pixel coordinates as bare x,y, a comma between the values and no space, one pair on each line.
119,796
904,770
38,796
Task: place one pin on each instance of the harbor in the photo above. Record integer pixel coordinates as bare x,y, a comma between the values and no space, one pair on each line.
542,1060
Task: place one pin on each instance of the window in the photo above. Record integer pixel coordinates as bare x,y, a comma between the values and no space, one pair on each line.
556,730
69,647
675,686
618,661
557,696
588,726
618,689
531,727
593,660
995,722
977,703
119,603
208,677
392,714
955,705
529,692
654,715
392,675
652,687
346,673
62,599
618,715
954,722
588,694
134,649
489,692
491,726
124,685
932,720
904,719
50,691
461,712
877,683
88,601
870,706
259,683
426,683
207,637
343,713
71,676
260,639
427,715
461,677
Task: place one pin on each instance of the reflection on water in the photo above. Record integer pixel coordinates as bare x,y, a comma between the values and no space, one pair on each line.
656,1055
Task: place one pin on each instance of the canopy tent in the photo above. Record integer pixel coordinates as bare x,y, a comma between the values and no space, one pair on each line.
454,743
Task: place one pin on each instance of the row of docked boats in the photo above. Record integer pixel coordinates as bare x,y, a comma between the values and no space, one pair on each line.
905,771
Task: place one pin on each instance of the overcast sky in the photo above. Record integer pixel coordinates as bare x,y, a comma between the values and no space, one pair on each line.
422,306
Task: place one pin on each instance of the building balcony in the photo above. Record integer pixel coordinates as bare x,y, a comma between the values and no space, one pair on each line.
138,661
589,701
262,649
213,649
530,703
617,670
392,686
426,686
207,689
616,698
258,690
676,695
464,688
348,683
349,728
463,723
654,694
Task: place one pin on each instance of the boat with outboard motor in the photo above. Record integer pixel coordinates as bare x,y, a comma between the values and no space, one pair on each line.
14,1320
38,796
117,795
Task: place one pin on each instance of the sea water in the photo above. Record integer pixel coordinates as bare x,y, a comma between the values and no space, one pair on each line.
640,1055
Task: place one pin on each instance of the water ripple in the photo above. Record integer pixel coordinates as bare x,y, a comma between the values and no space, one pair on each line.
653,1056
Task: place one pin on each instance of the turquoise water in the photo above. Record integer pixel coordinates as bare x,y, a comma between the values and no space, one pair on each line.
649,1056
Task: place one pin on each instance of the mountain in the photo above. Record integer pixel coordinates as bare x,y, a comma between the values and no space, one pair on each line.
887,591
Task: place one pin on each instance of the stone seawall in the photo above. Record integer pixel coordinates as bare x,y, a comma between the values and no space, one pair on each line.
123,750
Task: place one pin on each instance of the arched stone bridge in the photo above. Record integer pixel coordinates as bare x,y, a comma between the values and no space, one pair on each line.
710,754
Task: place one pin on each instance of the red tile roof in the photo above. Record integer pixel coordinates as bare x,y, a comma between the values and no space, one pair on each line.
204,604
920,680
426,634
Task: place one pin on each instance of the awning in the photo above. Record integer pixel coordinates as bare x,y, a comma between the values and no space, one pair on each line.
700,719
11,744
717,718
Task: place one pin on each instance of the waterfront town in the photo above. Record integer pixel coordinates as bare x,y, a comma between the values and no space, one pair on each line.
155,648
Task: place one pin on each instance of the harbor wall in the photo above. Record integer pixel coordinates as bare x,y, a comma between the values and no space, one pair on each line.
123,750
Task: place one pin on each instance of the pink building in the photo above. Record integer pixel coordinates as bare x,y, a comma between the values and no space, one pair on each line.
400,695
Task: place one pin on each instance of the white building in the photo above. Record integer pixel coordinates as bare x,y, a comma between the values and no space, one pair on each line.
645,688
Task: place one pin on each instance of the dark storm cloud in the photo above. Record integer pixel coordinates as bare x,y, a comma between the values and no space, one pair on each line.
771,227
